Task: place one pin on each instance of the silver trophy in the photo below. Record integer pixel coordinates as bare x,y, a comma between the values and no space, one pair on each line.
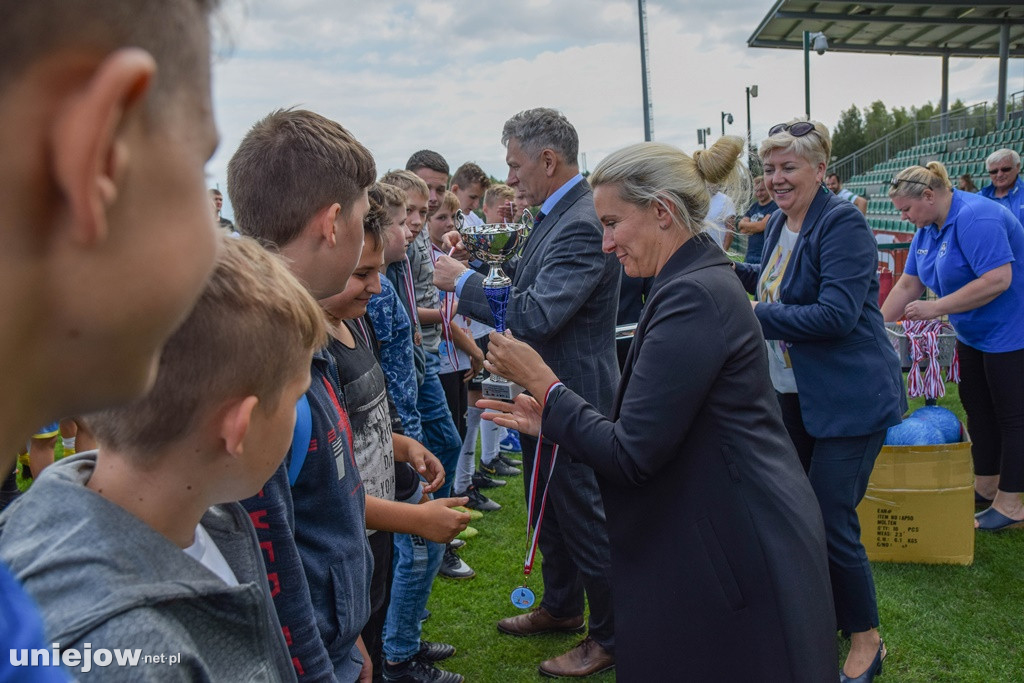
495,244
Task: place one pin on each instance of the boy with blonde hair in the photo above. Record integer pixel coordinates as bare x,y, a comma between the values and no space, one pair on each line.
147,549
496,198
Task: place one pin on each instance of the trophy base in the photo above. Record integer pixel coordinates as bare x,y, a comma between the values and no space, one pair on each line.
500,389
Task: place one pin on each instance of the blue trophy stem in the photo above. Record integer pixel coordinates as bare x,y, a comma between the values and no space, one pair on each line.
497,299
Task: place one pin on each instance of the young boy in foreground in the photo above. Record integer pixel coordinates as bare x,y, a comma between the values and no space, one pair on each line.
105,125
140,544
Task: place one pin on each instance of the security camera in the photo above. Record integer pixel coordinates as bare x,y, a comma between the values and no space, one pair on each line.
820,43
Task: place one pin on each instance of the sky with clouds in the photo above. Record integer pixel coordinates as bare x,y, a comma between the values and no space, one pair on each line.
446,74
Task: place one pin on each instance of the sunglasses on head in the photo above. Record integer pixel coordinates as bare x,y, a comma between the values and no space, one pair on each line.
1004,169
797,130
895,182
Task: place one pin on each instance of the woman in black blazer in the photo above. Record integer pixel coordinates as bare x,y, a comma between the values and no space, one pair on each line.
837,376
719,567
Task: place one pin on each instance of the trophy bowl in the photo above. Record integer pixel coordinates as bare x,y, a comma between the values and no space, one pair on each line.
493,243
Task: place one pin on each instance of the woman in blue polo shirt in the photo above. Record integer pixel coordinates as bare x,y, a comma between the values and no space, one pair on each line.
970,252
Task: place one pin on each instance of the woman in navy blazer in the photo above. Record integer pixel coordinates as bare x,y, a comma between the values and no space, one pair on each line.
719,566
837,376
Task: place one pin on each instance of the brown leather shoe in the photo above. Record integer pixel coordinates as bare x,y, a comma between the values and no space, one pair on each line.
583,660
539,620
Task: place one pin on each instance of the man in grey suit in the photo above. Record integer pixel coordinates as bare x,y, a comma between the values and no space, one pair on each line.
563,303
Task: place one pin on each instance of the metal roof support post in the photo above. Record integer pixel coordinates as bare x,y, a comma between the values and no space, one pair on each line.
944,107
807,74
1004,56
751,92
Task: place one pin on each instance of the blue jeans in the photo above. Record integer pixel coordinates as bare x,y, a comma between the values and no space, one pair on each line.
416,563
439,433
416,559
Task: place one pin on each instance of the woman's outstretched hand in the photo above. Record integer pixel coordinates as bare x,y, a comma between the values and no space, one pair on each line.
517,361
523,415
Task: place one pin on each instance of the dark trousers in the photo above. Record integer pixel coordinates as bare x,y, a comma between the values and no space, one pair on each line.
992,393
455,393
380,597
573,540
839,470
793,419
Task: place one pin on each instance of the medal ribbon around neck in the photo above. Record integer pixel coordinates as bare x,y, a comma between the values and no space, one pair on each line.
410,297
447,304
522,597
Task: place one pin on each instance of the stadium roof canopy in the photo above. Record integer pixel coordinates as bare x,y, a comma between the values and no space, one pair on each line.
940,28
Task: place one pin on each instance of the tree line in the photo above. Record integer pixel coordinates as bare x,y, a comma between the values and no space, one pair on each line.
859,127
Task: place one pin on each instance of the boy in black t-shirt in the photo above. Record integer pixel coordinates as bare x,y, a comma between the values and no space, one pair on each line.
377,446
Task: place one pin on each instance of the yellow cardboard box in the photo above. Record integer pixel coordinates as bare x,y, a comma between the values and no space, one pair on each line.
919,506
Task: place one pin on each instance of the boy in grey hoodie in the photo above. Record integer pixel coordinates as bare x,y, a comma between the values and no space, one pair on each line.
139,547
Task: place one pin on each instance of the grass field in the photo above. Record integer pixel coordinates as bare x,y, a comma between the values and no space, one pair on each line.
939,622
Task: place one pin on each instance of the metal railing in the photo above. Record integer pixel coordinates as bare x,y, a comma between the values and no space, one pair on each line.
1015,107
979,117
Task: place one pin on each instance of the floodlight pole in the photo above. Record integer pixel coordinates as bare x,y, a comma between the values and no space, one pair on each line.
702,136
648,125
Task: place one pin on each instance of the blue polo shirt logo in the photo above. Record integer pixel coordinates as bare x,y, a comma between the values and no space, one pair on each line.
922,252
942,249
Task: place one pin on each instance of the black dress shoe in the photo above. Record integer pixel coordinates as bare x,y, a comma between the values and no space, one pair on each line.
874,669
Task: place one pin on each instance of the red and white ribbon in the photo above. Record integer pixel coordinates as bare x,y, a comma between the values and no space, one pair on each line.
410,295
531,549
447,304
923,344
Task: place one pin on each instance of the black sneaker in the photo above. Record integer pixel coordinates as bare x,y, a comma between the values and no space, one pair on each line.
511,462
478,501
456,543
482,481
498,468
417,671
452,566
434,652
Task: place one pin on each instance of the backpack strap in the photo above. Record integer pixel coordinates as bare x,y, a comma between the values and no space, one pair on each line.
300,439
